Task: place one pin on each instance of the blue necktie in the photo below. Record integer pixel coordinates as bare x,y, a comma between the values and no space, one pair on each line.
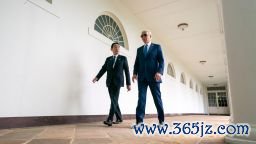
145,51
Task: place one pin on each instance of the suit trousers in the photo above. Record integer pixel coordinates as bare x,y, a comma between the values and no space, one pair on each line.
156,93
114,107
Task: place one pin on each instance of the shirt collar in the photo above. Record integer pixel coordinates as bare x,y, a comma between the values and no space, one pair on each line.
148,44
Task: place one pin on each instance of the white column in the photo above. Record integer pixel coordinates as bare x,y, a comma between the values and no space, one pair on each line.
240,35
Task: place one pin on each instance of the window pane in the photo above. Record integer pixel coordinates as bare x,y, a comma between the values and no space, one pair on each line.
182,79
212,100
170,70
106,25
222,100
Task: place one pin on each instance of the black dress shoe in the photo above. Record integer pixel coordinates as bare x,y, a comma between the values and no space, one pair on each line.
118,122
108,123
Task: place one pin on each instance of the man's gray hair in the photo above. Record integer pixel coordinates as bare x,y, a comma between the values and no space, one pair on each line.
146,32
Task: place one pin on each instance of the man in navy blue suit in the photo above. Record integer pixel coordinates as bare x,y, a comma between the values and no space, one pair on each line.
148,69
115,66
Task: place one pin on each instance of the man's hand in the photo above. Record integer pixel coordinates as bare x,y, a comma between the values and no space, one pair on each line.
128,87
134,77
95,79
158,76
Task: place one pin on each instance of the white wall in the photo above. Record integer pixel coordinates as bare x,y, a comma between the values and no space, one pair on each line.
48,60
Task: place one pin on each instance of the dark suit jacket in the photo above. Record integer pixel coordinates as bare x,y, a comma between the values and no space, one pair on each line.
146,67
115,75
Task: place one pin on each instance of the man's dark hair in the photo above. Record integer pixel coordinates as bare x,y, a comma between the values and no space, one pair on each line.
114,44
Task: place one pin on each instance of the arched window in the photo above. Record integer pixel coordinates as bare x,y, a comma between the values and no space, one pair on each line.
183,78
171,71
49,1
109,26
191,84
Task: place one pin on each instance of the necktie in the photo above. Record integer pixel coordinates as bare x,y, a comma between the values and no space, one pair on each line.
114,61
145,49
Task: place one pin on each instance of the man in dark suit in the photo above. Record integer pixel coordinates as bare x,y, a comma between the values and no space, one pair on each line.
115,66
148,69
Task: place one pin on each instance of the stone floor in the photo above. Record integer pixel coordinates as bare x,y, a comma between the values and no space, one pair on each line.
97,133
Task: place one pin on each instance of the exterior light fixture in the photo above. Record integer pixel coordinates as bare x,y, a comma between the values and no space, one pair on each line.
182,26
202,62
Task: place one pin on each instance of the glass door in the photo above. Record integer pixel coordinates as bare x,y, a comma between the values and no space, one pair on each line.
218,103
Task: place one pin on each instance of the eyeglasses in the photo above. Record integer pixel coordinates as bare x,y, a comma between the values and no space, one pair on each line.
143,35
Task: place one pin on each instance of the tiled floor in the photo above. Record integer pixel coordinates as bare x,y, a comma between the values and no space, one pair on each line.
97,133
